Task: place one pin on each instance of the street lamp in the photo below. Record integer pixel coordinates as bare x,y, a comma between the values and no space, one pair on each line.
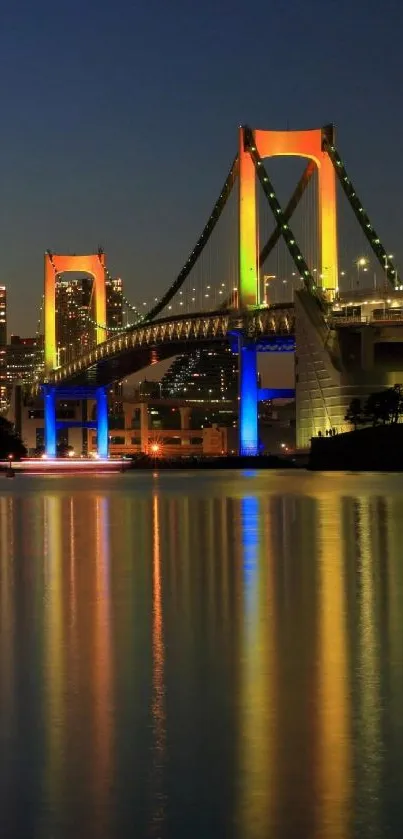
362,262
155,451
387,257
266,279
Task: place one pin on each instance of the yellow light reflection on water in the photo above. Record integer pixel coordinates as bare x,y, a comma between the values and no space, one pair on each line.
54,649
334,758
7,616
102,657
158,677
394,534
369,709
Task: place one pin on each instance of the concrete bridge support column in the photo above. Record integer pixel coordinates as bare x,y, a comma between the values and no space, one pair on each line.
128,415
102,422
185,413
84,430
49,398
248,398
144,427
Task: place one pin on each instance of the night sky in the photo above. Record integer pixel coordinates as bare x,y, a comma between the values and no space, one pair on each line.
119,121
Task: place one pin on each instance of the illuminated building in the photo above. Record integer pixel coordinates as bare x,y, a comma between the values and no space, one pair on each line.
203,375
208,377
24,356
76,326
3,348
74,330
114,303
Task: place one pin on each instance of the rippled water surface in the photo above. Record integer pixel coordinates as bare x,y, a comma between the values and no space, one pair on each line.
201,655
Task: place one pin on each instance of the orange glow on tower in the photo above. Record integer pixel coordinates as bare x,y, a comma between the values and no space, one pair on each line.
248,239
296,144
93,264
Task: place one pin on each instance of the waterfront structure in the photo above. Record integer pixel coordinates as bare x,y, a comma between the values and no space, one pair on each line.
78,419
328,372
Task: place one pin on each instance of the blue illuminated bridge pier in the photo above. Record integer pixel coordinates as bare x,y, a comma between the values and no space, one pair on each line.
346,342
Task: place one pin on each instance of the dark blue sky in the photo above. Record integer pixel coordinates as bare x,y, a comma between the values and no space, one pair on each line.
119,120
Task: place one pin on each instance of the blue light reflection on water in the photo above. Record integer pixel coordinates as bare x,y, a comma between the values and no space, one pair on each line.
250,539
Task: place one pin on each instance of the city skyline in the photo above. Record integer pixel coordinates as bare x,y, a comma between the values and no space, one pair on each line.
84,133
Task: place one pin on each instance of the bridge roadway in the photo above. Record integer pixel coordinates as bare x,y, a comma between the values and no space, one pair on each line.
270,328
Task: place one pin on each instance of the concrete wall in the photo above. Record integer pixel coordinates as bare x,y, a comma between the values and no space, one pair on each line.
334,366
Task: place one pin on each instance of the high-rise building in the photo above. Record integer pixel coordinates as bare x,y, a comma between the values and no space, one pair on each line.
75,315
203,375
114,303
74,330
24,358
3,348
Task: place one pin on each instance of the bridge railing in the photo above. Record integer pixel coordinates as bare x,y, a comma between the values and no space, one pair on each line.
373,317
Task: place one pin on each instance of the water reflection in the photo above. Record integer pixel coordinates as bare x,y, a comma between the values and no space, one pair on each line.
334,712
158,686
54,659
210,658
103,704
256,677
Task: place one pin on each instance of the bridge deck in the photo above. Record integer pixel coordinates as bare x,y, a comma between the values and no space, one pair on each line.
149,343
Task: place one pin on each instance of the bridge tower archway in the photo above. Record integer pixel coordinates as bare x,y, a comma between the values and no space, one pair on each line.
308,144
55,264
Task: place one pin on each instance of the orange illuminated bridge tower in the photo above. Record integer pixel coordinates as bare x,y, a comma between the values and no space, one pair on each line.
309,144
55,264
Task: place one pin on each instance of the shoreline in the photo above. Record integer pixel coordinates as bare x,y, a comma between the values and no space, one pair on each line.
78,465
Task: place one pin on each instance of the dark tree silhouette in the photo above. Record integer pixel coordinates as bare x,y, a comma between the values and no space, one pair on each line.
10,442
396,402
354,413
384,406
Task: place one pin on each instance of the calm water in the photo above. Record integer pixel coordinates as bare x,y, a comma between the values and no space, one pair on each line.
201,655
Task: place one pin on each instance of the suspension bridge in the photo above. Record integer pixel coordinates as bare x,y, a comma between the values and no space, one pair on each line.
226,291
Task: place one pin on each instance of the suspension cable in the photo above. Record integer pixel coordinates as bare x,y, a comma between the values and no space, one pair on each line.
201,242
288,212
115,329
359,212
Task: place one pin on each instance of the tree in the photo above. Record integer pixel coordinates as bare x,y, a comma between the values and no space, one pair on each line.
354,413
384,406
397,402
10,442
